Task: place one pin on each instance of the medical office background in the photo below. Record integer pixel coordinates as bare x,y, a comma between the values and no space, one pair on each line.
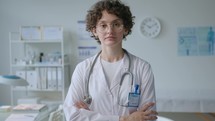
183,82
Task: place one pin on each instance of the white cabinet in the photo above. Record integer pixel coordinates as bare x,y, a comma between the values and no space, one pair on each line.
42,62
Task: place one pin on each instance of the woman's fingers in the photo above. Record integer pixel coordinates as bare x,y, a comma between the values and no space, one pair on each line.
148,113
151,112
150,118
147,106
142,116
81,104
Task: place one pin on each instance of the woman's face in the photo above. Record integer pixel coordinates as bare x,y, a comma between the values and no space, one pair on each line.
109,30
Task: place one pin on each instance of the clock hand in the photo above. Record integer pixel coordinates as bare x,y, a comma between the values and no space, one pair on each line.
153,25
149,26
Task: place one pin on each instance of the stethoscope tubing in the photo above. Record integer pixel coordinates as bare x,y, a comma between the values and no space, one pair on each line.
91,70
87,97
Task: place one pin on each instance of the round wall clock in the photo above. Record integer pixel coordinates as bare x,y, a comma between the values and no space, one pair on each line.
150,27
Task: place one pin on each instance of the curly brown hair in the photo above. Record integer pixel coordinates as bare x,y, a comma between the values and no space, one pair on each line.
115,7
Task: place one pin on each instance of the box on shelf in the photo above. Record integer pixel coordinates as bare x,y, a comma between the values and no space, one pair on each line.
5,108
31,32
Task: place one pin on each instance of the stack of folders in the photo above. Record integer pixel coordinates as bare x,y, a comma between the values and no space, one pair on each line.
30,108
26,112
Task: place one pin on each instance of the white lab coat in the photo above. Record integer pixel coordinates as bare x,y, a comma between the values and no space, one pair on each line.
104,106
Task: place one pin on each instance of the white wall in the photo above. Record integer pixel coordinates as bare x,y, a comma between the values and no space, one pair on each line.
173,73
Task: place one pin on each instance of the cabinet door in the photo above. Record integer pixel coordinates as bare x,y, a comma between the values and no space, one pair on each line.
21,74
32,79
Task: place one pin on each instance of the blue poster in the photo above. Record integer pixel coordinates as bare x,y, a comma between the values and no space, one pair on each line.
196,41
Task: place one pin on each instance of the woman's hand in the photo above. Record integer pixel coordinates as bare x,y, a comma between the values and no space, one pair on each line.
80,105
144,114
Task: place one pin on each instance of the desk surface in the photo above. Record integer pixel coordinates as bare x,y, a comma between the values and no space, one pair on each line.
183,116
3,116
42,116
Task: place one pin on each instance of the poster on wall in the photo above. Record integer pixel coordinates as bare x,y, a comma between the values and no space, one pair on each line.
196,41
86,52
82,33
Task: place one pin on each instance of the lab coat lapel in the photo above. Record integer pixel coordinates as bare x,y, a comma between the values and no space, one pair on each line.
123,68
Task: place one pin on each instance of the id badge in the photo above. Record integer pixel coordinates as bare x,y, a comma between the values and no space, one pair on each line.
133,99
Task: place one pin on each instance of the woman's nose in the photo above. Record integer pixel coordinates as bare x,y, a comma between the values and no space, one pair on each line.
110,28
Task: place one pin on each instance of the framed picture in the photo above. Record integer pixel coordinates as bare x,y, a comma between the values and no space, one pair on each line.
52,33
30,32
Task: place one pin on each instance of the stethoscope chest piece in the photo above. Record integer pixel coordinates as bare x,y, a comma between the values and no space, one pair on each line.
88,100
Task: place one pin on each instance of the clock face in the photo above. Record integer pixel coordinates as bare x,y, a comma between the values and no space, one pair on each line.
150,27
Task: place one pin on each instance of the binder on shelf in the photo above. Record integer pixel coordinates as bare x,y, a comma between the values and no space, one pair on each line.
59,79
52,78
39,86
44,78
49,78
42,75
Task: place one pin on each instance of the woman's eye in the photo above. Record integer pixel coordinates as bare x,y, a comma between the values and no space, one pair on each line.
116,24
103,25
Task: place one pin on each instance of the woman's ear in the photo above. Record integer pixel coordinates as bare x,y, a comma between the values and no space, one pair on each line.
125,32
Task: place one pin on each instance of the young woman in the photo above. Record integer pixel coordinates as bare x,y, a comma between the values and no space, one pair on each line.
113,85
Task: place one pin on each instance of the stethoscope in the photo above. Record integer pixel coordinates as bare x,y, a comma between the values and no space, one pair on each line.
87,97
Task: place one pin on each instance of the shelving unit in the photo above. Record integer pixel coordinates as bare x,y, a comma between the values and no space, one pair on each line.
43,63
